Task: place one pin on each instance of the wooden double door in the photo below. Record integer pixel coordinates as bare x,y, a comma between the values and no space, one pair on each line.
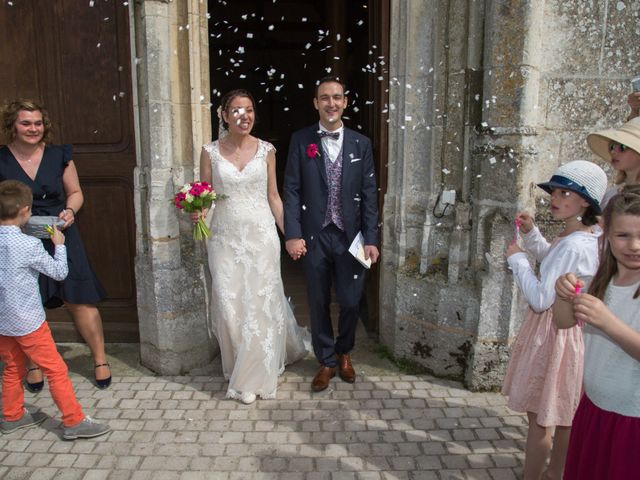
74,56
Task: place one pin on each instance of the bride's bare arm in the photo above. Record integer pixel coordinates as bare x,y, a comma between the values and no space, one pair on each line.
205,176
275,202
205,166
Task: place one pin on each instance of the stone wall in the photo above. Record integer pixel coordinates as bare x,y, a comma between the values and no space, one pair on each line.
486,98
489,98
172,109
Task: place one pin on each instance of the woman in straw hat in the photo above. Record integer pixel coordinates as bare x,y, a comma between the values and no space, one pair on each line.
621,147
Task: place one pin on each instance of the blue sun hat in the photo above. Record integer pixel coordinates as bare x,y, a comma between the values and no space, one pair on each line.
584,178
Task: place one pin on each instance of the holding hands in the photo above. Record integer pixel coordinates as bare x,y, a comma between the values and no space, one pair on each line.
296,247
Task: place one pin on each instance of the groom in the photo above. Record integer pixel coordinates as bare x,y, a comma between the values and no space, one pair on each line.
329,196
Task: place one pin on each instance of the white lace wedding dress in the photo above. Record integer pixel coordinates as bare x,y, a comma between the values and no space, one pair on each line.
251,316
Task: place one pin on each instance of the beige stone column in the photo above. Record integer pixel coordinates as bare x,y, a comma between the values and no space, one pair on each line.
171,51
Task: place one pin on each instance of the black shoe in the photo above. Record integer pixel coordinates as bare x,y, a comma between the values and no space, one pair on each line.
105,382
35,387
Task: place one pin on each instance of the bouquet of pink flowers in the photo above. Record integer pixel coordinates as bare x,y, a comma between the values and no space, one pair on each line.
196,197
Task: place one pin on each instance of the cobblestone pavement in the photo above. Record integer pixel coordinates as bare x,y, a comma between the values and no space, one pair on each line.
387,425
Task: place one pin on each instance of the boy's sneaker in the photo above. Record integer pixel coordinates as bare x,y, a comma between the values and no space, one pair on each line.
87,428
27,420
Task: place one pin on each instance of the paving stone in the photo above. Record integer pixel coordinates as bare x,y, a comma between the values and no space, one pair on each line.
394,427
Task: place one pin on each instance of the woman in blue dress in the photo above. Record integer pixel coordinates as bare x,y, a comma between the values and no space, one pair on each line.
52,176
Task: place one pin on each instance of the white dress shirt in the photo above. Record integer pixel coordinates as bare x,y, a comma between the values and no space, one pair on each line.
331,146
22,259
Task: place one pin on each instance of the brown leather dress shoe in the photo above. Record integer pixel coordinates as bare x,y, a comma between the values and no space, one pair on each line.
321,380
347,373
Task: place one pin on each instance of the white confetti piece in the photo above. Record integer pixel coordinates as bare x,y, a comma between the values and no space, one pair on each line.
445,171
249,35
492,160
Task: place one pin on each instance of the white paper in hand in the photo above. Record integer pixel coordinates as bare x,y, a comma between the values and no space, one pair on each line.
357,250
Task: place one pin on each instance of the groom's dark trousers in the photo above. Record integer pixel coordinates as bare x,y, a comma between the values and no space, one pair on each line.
328,259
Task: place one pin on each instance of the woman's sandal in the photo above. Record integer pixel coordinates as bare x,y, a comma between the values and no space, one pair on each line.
105,382
35,387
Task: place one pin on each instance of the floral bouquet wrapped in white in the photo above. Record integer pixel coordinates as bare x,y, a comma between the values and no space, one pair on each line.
197,197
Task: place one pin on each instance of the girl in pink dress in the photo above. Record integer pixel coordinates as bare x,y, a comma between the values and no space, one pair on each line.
544,374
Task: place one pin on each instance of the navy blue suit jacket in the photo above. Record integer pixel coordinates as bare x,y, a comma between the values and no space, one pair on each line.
306,188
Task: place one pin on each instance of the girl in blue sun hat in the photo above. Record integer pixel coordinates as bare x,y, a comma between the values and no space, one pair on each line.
544,374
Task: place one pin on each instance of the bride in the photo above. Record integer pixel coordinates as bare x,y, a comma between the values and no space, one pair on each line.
251,318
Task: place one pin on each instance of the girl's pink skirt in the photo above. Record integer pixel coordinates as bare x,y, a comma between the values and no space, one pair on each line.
544,375
603,445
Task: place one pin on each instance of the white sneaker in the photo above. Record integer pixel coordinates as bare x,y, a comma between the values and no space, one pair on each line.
248,398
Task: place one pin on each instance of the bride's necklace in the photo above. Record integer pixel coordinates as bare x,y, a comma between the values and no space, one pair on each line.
237,152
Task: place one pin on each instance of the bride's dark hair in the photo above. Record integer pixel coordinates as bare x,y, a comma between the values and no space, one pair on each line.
228,97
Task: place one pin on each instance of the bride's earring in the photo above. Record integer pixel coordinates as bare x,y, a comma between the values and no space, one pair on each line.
579,218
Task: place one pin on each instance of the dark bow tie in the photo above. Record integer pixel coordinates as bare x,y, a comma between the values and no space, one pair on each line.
334,135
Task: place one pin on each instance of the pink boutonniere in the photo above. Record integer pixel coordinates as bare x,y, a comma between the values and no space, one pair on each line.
312,150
